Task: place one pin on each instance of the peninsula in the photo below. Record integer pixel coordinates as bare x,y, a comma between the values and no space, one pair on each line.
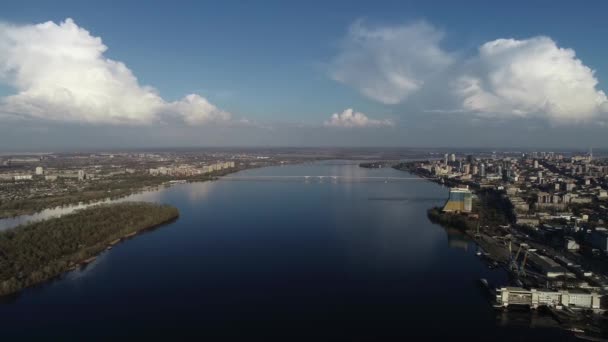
39,251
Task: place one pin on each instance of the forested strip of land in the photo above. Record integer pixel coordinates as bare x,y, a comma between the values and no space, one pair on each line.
38,251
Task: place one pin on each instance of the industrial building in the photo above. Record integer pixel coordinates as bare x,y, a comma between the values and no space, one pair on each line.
535,298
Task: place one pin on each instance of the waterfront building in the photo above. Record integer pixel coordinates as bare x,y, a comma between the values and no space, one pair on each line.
460,200
535,298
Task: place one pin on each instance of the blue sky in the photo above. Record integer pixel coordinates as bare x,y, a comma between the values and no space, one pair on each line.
271,63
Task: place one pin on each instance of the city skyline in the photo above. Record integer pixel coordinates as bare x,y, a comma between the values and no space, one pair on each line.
394,74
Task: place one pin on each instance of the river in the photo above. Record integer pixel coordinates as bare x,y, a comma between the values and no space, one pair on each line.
286,259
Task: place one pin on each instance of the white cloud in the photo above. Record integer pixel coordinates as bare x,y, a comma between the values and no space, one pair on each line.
197,110
60,73
531,77
351,119
506,78
388,64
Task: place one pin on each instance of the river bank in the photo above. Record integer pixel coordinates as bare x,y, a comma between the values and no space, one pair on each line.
119,187
493,249
491,227
43,250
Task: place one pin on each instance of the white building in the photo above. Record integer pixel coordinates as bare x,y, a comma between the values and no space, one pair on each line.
535,297
39,171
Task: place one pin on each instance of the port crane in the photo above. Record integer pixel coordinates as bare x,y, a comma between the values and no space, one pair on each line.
513,262
521,271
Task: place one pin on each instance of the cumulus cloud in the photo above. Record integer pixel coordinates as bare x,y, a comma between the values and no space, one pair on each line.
507,78
197,110
389,63
60,73
351,119
531,77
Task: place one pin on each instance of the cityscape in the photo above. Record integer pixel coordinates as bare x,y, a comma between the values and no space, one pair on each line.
315,171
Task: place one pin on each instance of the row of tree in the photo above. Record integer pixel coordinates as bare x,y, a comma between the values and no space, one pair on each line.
38,251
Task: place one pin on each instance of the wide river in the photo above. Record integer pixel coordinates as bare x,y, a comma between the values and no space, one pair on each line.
284,259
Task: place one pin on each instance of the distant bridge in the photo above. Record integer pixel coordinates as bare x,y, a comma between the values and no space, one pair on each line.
323,178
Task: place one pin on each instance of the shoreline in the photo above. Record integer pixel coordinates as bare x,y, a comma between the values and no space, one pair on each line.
111,244
101,198
497,255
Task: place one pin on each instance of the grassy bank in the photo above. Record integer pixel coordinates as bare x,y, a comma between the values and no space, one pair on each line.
39,251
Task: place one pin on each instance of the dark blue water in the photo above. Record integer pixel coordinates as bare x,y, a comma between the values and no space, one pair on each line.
280,260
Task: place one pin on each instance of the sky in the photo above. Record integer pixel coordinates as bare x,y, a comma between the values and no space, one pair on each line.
120,74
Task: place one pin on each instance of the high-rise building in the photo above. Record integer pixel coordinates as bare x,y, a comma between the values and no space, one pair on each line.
39,171
81,175
536,164
445,159
460,200
482,170
466,169
452,157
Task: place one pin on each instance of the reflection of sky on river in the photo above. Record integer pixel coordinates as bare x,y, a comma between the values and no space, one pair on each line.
387,240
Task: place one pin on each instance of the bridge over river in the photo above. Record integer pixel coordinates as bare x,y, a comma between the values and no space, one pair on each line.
322,178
